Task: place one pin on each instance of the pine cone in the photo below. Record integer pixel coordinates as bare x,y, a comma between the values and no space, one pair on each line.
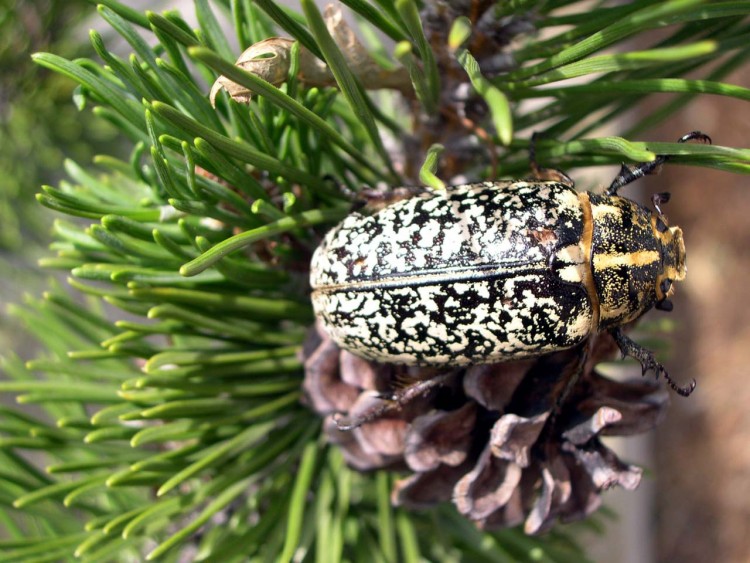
491,438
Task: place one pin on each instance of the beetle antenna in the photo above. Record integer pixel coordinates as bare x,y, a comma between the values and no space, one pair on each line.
628,174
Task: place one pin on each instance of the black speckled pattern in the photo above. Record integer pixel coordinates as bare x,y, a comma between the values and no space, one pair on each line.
478,273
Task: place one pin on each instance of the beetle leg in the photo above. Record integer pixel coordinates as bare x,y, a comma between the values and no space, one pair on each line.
542,173
340,187
347,423
569,374
393,403
374,199
628,174
573,371
648,362
483,135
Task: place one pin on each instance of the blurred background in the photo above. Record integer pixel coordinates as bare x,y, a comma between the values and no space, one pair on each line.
694,503
39,127
703,448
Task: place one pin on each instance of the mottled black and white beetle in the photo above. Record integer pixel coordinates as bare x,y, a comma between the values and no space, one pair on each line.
497,271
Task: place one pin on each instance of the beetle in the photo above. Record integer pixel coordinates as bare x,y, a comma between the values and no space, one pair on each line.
497,271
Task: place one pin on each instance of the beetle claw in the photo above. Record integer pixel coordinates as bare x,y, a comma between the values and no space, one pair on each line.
682,390
695,136
374,411
347,423
344,423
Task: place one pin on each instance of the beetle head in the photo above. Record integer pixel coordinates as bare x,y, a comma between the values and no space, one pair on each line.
673,266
